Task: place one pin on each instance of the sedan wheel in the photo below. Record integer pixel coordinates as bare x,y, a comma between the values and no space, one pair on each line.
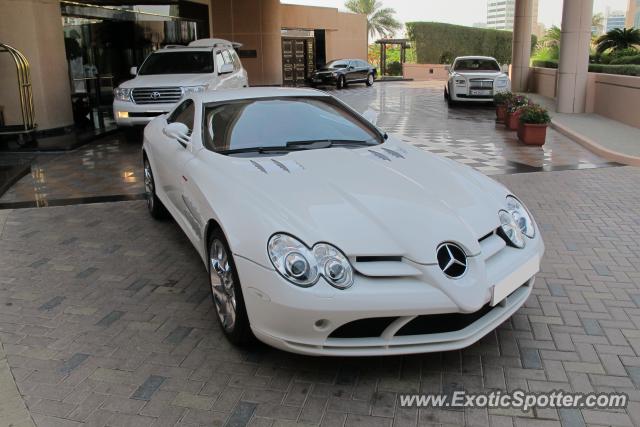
370,80
226,292
154,205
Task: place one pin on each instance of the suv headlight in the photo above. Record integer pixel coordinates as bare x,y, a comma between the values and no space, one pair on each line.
186,90
502,82
302,266
122,94
516,222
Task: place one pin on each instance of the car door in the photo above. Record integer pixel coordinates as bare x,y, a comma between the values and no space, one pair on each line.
352,72
172,155
363,69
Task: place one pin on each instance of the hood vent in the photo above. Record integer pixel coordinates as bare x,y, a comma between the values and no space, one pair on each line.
273,166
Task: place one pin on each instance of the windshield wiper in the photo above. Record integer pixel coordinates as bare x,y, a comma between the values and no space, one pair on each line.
326,143
260,150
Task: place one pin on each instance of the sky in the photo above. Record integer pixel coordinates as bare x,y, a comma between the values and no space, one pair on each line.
465,12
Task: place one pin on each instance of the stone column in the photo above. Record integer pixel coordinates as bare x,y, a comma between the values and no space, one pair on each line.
34,27
521,46
574,56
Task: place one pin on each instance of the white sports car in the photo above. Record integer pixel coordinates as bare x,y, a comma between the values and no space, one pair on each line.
322,235
475,79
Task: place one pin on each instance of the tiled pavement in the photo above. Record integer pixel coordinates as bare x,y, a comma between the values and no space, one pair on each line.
111,167
106,320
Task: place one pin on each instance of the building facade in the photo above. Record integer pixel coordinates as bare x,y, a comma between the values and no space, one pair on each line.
79,50
614,19
501,13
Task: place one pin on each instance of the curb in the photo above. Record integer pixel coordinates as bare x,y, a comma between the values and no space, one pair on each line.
595,147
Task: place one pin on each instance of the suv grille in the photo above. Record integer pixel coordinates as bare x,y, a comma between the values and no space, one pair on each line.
156,95
481,84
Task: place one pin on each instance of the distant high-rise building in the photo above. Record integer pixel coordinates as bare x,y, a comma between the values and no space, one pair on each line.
614,19
633,14
500,14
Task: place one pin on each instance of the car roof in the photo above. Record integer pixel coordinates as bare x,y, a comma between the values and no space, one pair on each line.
476,57
221,95
200,45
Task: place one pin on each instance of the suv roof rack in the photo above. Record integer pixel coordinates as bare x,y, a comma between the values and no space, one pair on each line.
212,43
173,46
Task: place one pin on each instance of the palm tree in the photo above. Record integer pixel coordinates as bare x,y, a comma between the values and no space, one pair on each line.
551,37
618,39
380,21
597,23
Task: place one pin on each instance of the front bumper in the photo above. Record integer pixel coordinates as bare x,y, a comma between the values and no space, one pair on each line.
311,321
132,114
323,79
464,93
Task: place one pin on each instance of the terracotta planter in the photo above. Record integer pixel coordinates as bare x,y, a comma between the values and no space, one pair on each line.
532,134
501,113
512,120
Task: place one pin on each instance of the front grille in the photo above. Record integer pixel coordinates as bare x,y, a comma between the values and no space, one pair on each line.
481,84
156,95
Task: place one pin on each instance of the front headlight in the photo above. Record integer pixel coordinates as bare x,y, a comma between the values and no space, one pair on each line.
516,222
186,90
122,94
501,82
521,216
460,82
303,266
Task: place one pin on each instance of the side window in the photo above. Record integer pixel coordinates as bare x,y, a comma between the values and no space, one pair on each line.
227,57
237,65
184,113
363,64
219,60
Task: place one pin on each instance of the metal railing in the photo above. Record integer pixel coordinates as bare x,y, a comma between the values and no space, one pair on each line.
25,91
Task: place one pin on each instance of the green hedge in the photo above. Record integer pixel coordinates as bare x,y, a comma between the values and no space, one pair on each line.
438,43
635,59
626,69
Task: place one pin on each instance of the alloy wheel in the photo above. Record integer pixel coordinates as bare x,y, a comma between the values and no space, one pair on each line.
222,284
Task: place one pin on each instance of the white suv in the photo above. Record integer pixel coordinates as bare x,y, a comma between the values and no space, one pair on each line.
168,74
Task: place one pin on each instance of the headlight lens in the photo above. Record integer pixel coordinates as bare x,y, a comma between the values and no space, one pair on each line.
521,216
122,94
510,229
501,82
461,82
186,90
303,266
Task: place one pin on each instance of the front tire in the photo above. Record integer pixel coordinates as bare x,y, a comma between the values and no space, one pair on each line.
370,80
154,205
341,83
226,292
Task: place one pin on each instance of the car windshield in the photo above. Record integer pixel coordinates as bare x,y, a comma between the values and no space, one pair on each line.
285,122
178,63
338,64
476,65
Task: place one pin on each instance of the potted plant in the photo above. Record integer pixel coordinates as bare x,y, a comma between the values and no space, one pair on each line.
513,111
534,120
501,99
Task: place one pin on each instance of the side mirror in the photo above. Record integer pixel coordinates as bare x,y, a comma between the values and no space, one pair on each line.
225,69
351,67
371,116
133,71
178,131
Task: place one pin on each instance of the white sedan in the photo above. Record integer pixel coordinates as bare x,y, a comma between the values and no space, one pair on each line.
475,79
323,235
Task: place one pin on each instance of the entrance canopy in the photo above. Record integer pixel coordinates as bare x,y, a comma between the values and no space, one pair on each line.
403,43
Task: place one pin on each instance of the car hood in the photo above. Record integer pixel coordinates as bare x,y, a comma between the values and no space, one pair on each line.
389,200
167,80
480,74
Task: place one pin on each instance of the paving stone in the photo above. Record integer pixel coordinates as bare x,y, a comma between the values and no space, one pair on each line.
242,414
148,388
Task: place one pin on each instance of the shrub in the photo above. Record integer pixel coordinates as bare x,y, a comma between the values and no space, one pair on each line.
437,42
627,70
516,103
534,114
394,68
624,60
545,64
502,98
